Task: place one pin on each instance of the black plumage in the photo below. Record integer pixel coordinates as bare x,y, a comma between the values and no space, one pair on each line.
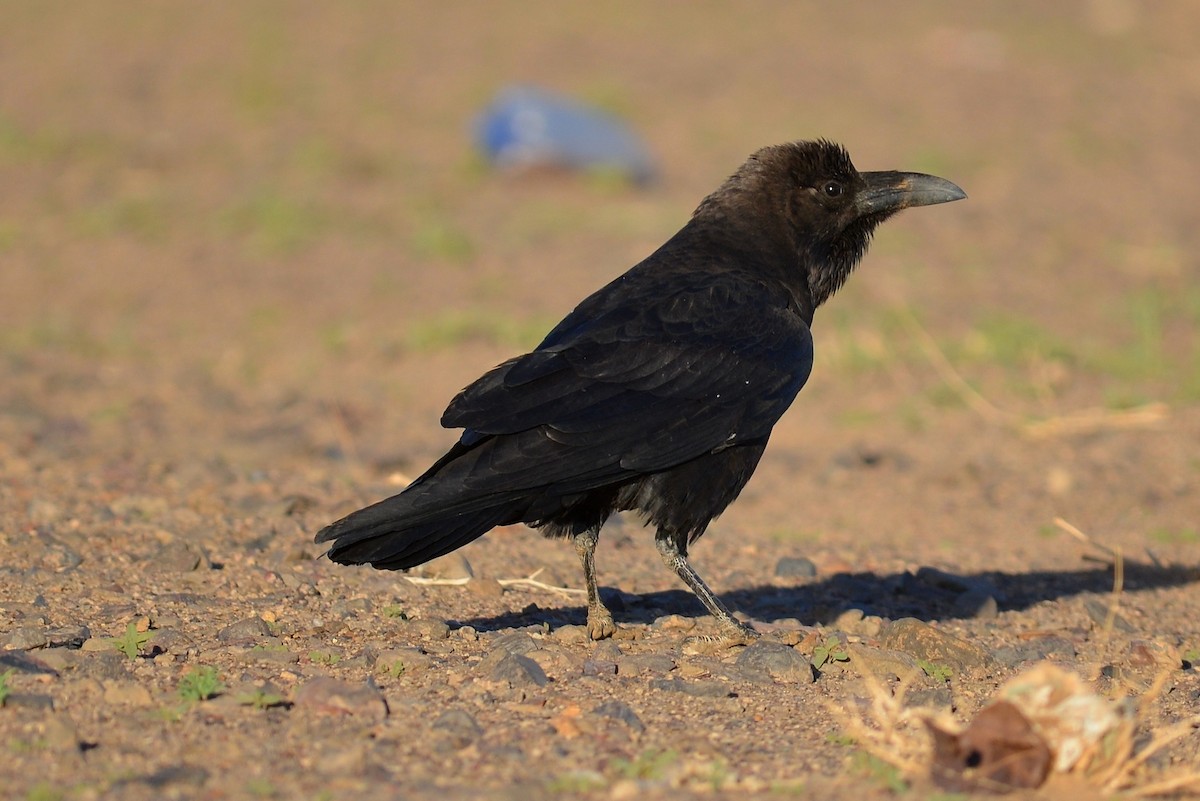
658,393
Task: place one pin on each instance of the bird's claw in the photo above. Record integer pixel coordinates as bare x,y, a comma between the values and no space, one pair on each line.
730,636
600,624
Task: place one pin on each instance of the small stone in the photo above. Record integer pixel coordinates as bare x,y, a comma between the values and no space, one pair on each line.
26,638
607,650
515,642
855,621
178,556
773,660
402,661
795,567
457,728
429,629
60,735
124,693
336,697
249,630
1098,611
24,663
674,623
977,604
485,588
619,710
924,642
1152,653
451,566
43,512
703,689
883,663
68,637
516,669
30,701
633,664
571,635
599,667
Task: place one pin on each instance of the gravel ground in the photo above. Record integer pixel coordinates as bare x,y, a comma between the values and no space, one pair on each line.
248,256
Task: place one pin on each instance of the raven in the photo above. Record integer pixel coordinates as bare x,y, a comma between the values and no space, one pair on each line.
659,391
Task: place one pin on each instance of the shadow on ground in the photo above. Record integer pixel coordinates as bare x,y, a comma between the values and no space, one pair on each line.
924,595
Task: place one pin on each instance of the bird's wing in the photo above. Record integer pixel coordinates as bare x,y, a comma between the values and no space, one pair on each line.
637,387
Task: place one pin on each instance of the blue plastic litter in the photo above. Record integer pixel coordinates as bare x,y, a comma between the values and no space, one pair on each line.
529,127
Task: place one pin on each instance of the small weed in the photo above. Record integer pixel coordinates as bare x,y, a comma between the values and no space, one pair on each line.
648,765
395,611
718,774
873,767
840,738
1192,656
394,670
261,788
797,787
44,791
1048,531
940,673
832,650
324,657
200,684
273,648
576,782
261,699
132,641
5,690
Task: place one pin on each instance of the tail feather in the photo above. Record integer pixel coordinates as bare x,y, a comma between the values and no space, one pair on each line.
421,523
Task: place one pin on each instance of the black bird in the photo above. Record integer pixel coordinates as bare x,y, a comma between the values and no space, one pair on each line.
658,392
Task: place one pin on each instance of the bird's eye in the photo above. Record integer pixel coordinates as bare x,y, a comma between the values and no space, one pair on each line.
832,189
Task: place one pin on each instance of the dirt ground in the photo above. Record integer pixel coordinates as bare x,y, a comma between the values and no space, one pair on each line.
248,253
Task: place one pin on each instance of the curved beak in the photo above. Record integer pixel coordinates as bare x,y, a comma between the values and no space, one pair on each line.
890,191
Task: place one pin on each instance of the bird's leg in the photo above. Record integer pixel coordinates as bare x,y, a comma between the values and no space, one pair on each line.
599,620
733,632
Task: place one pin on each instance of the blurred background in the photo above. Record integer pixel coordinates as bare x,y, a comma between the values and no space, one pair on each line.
264,230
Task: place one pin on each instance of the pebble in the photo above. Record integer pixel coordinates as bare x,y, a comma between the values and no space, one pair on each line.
1097,610
178,556
24,663
336,697
703,689
68,636
855,621
674,623
646,663
485,588
60,735
457,728
925,642
30,701
401,661
795,567
599,667
884,663
249,630
429,629
514,642
26,638
619,710
516,669
765,660
1051,647
571,635
451,566
126,693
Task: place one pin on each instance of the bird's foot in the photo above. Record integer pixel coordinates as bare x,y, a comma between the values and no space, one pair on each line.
731,634
600,624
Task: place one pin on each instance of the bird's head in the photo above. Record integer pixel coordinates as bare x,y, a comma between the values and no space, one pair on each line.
808,198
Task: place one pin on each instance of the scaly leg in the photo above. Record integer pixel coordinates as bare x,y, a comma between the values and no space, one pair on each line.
733,632
599,620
